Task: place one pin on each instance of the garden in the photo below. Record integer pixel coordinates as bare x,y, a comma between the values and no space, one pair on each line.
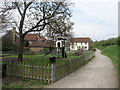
37,71
42,58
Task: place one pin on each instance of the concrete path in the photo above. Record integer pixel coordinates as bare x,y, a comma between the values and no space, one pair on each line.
98,73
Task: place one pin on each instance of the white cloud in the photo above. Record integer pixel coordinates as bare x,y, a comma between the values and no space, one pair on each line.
98,20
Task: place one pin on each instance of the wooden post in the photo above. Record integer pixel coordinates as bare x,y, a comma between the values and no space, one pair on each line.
17,70
45,74
52,72
11,68
20,70
14,68
23,70
38,71
48,73
28,70
32,71
42,72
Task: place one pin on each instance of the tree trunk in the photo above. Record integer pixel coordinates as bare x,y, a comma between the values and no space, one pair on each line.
20,52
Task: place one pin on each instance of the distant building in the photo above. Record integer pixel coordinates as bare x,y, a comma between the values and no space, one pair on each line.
36,42
13,36
80,43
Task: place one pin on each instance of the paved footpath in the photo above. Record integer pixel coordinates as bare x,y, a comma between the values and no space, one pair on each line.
98,73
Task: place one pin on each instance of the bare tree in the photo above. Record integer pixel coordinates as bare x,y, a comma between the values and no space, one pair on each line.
35,16
59,27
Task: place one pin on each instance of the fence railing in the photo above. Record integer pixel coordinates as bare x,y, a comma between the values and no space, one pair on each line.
34,71
70,66
46,72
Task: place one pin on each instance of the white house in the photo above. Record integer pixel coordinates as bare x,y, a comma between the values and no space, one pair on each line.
80,43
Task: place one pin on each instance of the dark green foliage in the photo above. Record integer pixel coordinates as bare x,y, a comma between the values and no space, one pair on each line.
111,41
52,47
8,45
26,43
46,50
93,49
118,40
26,49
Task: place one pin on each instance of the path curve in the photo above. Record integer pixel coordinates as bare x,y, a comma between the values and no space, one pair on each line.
98,73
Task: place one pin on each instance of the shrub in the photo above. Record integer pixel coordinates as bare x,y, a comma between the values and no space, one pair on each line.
46,50
93,49
8,45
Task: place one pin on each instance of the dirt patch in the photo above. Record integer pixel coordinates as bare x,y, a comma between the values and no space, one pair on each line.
11,81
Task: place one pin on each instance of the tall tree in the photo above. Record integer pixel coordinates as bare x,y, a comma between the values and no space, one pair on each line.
35,16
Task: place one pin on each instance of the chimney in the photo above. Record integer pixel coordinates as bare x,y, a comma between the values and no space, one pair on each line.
14,29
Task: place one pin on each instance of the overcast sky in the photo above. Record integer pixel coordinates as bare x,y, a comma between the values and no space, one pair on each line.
97,19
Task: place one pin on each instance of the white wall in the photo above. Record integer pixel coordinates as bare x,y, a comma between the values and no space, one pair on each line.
78,45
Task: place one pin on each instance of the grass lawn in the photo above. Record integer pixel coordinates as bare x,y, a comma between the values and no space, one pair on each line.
40,58
45,59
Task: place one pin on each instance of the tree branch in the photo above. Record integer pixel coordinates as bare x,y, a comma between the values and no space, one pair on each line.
44,18
16,3
32,29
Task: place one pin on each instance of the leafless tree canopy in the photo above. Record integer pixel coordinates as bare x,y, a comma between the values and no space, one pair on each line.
34,16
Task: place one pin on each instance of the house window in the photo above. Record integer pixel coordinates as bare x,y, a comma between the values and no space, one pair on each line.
85,42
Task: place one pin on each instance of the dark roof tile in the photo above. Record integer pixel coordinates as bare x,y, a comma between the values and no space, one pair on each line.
39,44
31,37
80,39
